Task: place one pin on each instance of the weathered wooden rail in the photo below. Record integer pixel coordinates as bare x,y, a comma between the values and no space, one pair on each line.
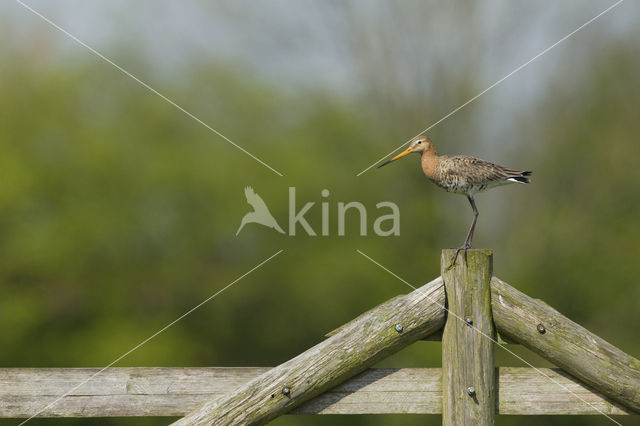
159,391
561,341
358,345
333,376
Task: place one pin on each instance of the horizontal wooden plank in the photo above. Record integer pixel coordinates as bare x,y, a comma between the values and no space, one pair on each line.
124,380
160,391
525,391
382,391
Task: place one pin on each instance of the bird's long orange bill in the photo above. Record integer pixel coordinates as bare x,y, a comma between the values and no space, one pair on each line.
402,154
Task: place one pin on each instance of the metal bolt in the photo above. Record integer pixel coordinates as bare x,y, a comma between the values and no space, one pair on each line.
471,391
468,320
286,391
541,329
399,328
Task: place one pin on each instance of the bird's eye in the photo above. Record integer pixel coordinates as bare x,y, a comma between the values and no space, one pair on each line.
419,142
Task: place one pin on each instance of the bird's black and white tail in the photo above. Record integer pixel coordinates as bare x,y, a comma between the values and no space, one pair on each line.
519,177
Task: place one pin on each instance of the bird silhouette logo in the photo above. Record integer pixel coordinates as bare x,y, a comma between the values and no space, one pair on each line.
260,213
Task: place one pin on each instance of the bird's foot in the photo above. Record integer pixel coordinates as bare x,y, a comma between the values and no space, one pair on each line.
466,246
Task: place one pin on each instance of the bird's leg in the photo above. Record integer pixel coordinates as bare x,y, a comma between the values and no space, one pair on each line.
473,223
467,242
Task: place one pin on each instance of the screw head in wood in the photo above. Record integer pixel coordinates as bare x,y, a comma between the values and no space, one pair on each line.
286,391
541,329
468,320
471,390
399,328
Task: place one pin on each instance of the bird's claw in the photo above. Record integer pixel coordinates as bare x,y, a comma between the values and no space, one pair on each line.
465,247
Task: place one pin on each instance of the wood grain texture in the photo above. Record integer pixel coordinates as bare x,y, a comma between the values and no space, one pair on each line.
382,391
158,391
360,344
135,391
566,344
467,354
437,337
525,391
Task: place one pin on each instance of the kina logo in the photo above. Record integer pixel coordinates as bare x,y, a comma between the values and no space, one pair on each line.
260,213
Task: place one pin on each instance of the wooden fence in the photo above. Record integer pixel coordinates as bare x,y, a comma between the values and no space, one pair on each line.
334,377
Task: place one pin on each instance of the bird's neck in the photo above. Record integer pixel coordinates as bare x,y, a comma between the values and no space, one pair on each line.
429,162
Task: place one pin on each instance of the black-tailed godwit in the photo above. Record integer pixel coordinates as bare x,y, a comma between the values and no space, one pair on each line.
461,175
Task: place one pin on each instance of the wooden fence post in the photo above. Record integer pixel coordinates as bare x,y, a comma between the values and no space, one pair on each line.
468,373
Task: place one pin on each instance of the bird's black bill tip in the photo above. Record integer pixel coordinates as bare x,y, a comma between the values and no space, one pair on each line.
384,164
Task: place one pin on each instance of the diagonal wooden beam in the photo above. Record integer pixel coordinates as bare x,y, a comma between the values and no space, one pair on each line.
372,337
579,352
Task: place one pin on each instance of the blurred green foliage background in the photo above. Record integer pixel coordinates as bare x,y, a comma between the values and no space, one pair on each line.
118,213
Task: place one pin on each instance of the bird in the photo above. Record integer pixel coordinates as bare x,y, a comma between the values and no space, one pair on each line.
461,175
260,213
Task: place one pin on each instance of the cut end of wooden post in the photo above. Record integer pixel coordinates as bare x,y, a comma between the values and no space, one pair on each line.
473,259
449,260
469,251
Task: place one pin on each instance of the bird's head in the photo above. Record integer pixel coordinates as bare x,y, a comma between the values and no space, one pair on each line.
419,145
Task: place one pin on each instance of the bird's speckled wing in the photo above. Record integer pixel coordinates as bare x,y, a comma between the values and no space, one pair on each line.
462,170
463,174
474,170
